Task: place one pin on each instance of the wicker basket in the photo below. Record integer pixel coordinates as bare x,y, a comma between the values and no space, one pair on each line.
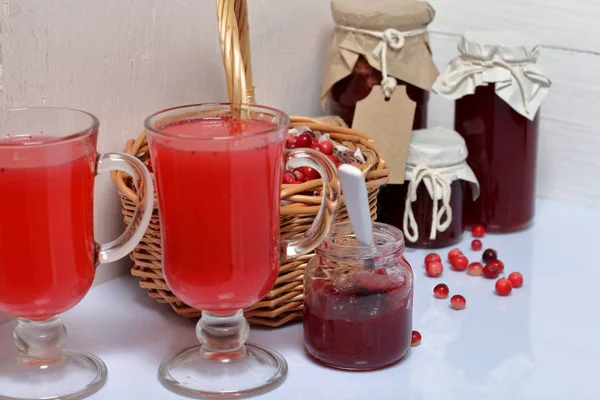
284,302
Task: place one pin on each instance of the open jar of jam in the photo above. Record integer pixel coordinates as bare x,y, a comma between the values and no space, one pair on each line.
430,210
367,34
498,87
358,302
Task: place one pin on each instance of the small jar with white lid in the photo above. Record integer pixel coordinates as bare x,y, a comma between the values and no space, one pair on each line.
431,209
499,88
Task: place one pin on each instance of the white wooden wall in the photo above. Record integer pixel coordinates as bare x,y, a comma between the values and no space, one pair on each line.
123,59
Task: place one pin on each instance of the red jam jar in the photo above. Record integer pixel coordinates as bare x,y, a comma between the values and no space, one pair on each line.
367,34
499,88
358,305
430,212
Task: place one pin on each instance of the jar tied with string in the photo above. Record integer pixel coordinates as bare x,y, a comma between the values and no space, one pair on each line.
383,43
499,87
431,211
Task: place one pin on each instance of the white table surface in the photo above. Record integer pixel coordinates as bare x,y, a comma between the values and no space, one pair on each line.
542,342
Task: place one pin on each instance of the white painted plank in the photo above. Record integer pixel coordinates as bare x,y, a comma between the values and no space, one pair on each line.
569,24
569,148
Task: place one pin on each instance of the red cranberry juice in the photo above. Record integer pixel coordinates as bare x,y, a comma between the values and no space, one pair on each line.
46,231
355,328
422,210
219,210
502,148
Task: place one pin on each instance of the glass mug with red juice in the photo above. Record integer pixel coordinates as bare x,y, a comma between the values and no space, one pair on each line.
48,256
218,183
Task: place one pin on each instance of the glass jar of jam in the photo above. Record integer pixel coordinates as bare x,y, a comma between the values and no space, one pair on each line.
369,34
358,303
430,210
498,88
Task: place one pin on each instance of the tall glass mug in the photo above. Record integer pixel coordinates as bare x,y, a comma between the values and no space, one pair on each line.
219,183
48,256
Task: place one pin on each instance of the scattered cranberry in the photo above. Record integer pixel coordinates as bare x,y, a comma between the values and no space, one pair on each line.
441,291
304,140
459,263
310,173
489,255
326,148
476,245
315,140
335,160
292,145
503,287
500,264
491,270
315,146
288,178
453,253
475,269
434,269
516,279
478,231
458,302
416,338
432,257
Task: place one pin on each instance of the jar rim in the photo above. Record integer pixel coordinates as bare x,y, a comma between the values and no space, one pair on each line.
394,241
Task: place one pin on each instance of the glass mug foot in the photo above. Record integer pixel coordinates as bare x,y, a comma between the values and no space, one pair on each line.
72,375
191,374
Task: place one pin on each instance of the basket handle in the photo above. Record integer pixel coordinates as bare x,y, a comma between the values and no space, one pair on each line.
234,34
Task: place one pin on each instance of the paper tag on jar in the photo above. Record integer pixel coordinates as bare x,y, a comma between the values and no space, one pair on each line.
389,123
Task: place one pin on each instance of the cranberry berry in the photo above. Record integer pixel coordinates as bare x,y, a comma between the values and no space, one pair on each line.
434,269
326,148
310,173
458,302
516,279
459,263
476,245
288,178
489,255
454,252
304,140
503,287
432,257
475,269
416,338
441,291
478,231
491,270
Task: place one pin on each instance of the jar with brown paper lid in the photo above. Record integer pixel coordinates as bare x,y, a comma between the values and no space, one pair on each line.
430,212
379,43
499,87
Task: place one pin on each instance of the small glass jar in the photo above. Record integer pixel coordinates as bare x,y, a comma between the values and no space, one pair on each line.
358,308
499,88
428,207
357,86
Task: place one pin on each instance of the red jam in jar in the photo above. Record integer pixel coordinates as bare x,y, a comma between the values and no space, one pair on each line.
503,154
358,313
499,88
428,207
357,86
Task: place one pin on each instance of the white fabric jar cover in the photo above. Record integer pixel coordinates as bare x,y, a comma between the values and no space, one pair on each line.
507,59
436,157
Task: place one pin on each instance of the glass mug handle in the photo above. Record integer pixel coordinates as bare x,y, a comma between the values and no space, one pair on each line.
126,243
329,205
